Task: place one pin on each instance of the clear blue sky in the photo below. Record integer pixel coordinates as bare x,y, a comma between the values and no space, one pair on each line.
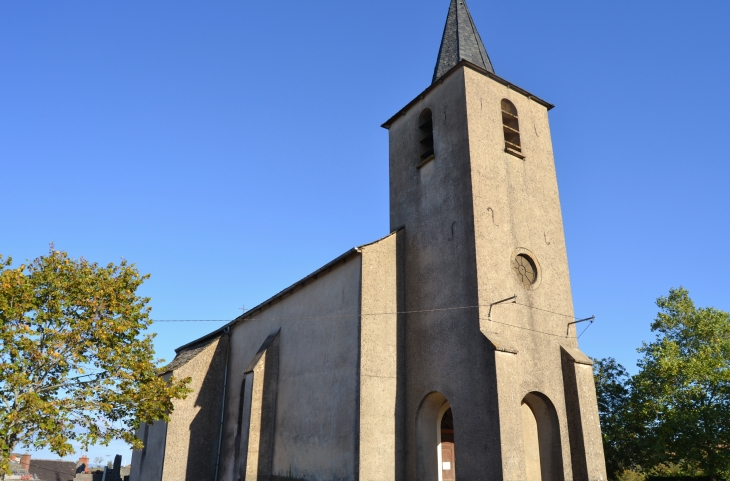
230,148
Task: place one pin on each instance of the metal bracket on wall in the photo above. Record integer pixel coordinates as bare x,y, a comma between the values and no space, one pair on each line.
513,299
567,329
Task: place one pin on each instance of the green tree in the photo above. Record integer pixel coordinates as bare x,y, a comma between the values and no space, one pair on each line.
683,387
75,364
618,427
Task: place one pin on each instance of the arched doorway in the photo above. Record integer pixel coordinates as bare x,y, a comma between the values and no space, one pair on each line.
541,439
436,459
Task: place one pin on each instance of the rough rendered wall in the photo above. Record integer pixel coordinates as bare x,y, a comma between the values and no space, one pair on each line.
445,351
517,210
315,430
466,215
193,430
516,205
379,447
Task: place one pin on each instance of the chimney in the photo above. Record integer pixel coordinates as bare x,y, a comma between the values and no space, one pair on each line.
83,460
25,461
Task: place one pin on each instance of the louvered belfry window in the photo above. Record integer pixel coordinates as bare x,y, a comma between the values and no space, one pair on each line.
511,127
425,136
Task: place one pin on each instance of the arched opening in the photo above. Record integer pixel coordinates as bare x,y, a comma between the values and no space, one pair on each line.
541,436
435,452
511,128
425,137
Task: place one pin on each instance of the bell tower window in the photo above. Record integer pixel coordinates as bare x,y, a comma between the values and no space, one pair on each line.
511,127
425,137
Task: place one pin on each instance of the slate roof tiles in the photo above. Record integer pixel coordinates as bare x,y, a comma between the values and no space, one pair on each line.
461,41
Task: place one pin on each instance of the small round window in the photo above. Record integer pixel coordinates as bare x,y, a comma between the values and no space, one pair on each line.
524,268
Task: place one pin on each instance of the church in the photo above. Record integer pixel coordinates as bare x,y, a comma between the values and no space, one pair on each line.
445,350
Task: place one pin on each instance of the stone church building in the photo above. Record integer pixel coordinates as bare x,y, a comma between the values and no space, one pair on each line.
444,351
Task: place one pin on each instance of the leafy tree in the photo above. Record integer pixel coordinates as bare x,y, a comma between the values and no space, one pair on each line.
683,387
620,432
75,364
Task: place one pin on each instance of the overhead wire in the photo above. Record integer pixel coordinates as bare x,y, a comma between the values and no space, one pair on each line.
546,310
526,328
584,330
418,311
191,320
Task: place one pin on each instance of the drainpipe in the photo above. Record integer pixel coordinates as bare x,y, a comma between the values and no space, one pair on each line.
227,332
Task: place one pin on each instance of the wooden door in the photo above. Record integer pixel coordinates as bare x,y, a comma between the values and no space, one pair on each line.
448,473
448,469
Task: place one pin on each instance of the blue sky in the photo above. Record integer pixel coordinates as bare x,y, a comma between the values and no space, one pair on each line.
230,148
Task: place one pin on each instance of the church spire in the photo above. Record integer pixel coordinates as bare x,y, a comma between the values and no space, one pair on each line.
461,41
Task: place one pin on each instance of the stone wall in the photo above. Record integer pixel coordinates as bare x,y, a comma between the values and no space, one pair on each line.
316,415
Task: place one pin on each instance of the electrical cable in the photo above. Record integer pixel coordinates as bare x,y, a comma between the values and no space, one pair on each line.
546,310
526,328
363,314
584,330
396,313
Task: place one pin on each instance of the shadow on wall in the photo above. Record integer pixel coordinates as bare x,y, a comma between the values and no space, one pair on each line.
257,412
541,434
205,427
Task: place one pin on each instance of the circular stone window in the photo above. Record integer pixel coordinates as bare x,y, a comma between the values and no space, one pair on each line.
525,269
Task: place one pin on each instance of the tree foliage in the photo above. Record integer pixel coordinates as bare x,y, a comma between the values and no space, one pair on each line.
683,385
676,410
620,436
75,363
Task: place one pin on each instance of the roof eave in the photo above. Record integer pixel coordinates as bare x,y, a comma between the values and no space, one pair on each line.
344,257
476,68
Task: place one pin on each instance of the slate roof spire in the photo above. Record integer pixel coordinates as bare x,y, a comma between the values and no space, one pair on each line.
461,41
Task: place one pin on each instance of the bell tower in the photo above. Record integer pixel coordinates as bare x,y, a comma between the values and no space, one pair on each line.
489,348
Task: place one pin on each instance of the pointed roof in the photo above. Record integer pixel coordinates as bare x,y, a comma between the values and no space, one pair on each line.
461,41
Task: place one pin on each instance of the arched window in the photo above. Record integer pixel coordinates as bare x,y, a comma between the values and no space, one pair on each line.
541,436
511,127
425,137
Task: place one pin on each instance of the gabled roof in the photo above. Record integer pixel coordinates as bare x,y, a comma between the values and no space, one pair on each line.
461,41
